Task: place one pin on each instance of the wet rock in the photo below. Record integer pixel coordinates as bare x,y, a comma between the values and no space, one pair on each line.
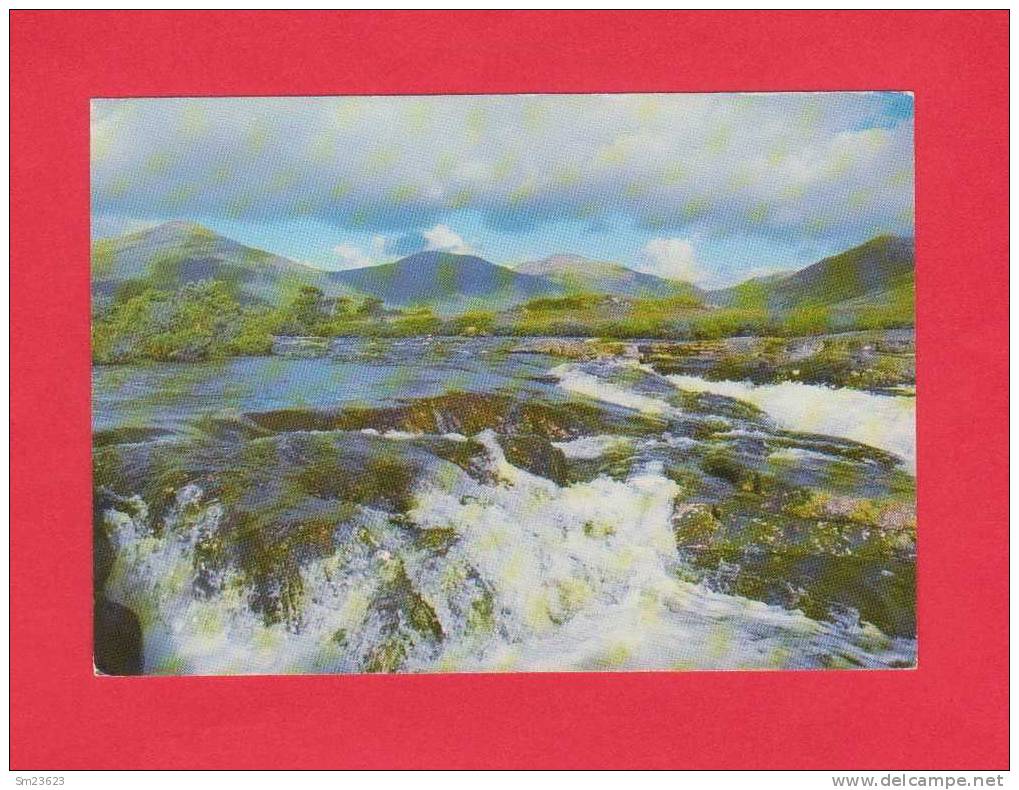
117,647
724,465
117,635
386,657
374,473
719,406
269,550
468,414
307,347
617,463
898,516
468,454
536,455
566,348
437,540
481,612
406,620
126,435
821,553
872,360
574,349
832,446
238,428
695,524
826,506
288,420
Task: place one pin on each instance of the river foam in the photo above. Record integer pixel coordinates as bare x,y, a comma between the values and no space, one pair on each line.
581,577
887,422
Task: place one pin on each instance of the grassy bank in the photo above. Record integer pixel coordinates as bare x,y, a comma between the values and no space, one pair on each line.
205,320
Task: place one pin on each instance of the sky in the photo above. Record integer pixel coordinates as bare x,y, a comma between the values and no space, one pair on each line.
709,188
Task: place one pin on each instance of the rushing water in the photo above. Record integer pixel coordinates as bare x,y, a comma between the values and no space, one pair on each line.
486,565
884,421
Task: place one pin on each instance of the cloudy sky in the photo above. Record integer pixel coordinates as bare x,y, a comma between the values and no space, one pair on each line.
710,188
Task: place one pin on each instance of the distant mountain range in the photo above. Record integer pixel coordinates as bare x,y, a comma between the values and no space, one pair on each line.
447,283
583,275
175,253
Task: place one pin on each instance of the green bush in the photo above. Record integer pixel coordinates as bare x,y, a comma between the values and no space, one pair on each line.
201,321
808,320
474,322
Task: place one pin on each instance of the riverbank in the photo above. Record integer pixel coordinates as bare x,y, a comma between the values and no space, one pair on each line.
881,361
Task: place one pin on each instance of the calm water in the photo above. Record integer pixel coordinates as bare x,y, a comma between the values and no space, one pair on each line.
354,372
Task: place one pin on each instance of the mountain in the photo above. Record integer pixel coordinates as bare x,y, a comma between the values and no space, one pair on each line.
175,253
446,282
883,265
582,275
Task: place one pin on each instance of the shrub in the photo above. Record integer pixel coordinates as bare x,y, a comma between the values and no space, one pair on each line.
201,321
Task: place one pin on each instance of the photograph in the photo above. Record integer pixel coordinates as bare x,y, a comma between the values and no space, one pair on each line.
503,383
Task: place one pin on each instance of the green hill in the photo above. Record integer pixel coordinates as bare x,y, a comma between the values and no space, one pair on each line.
174,254
579,275
882,265
446,282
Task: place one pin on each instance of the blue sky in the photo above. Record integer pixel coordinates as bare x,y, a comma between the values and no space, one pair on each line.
710,188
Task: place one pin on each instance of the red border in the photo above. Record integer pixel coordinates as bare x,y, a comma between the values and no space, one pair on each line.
950,713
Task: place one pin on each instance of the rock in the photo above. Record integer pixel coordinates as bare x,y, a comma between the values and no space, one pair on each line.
536,455
577,349
566,348
695,524
126,434
466,413
309,347
898,516
871,360
117,634
406,621
116,630
722,464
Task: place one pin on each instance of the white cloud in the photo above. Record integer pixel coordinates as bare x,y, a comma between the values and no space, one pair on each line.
378,245
116,226
444,238
351,256
818,165
671,258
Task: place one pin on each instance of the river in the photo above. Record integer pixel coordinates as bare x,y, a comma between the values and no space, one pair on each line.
440,504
